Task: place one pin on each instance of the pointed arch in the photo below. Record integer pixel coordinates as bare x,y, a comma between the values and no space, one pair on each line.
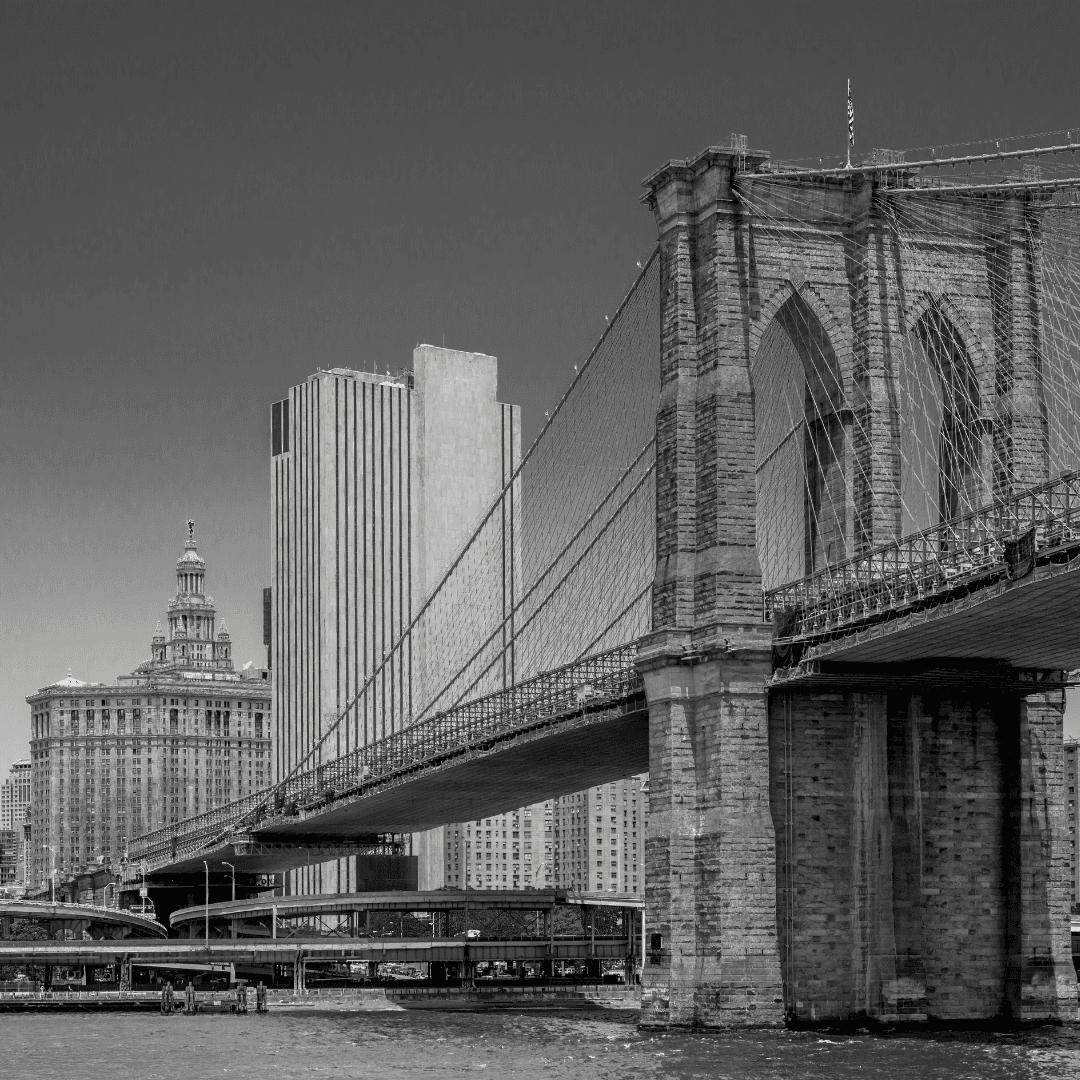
802,441
942,456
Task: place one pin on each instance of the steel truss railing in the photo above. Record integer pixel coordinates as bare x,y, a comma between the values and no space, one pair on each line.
586,684
999,540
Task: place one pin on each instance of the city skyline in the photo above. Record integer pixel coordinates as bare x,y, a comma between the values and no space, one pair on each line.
203,210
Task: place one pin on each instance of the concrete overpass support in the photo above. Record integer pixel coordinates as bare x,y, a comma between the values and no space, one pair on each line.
922,874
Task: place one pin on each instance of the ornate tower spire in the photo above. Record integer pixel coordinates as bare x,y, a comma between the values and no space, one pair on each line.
190,641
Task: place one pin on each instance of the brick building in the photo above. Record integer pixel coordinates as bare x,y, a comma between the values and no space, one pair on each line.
184,733
600,838
507,851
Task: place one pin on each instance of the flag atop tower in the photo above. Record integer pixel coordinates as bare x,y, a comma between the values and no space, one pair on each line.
850,124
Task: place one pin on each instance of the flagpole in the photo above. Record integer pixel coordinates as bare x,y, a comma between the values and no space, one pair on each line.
849,113
850,123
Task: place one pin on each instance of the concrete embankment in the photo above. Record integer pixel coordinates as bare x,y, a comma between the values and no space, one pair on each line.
353,999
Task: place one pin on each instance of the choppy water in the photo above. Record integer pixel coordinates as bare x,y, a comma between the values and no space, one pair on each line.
439,1046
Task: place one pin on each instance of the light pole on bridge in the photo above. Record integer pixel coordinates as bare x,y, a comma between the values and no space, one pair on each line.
206,902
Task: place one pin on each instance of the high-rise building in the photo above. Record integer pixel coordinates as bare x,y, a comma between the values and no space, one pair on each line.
9,857
182,734
600,838
1072,811
15,796
377,482
506,851
14,815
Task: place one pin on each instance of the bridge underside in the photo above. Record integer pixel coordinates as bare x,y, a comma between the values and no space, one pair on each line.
1033,623
538,765
534,767
271,854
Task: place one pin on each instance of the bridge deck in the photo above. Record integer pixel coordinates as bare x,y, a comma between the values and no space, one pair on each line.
999,584
581,725
1030,623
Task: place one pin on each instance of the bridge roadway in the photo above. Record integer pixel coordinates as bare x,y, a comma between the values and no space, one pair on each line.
996,587
994,593
578,726
102,922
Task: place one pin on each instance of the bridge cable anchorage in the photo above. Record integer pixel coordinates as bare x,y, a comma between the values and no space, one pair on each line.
961,480
556,572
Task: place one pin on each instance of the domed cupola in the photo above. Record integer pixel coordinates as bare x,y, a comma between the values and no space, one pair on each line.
190,568
190,640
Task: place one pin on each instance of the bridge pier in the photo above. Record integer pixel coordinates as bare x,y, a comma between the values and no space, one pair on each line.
881,847
711,957
922,868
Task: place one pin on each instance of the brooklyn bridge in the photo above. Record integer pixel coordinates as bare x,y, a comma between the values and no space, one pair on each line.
801,540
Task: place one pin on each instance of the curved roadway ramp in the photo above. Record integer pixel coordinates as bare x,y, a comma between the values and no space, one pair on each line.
101,922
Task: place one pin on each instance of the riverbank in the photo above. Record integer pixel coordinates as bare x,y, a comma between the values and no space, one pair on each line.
358,999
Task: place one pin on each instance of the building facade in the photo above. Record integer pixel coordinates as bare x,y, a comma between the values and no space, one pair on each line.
1072,811
600,838
15,796
377,482
506,851
14,819
182,734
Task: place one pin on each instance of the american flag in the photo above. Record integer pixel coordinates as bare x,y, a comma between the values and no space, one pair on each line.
850,117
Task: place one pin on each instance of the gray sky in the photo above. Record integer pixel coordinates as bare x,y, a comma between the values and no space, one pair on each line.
202,203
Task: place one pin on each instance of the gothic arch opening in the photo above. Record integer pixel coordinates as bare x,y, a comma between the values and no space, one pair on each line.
939,425
802,444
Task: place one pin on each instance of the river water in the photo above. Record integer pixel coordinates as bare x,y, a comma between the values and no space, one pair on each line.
440,1046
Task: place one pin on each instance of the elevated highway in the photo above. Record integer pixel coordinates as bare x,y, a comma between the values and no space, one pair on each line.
99,922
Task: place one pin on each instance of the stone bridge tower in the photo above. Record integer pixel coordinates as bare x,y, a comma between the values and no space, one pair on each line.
885,844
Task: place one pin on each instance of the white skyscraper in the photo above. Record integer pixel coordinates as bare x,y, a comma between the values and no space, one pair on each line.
377,482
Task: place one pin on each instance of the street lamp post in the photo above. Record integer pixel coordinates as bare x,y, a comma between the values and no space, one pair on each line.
206,905
232,921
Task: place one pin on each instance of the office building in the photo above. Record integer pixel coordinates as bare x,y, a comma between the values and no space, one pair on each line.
14,817
182,734
600,838
377,482
15,796
507,851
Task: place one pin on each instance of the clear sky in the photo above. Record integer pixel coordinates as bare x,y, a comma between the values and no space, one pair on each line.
203,203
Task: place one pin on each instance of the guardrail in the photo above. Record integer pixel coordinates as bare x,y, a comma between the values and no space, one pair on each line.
1005,539
64,907
586,683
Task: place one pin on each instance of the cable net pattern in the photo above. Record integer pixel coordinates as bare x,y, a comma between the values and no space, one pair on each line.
959,389
561,564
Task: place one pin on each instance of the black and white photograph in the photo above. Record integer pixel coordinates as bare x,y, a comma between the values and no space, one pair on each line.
539,541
